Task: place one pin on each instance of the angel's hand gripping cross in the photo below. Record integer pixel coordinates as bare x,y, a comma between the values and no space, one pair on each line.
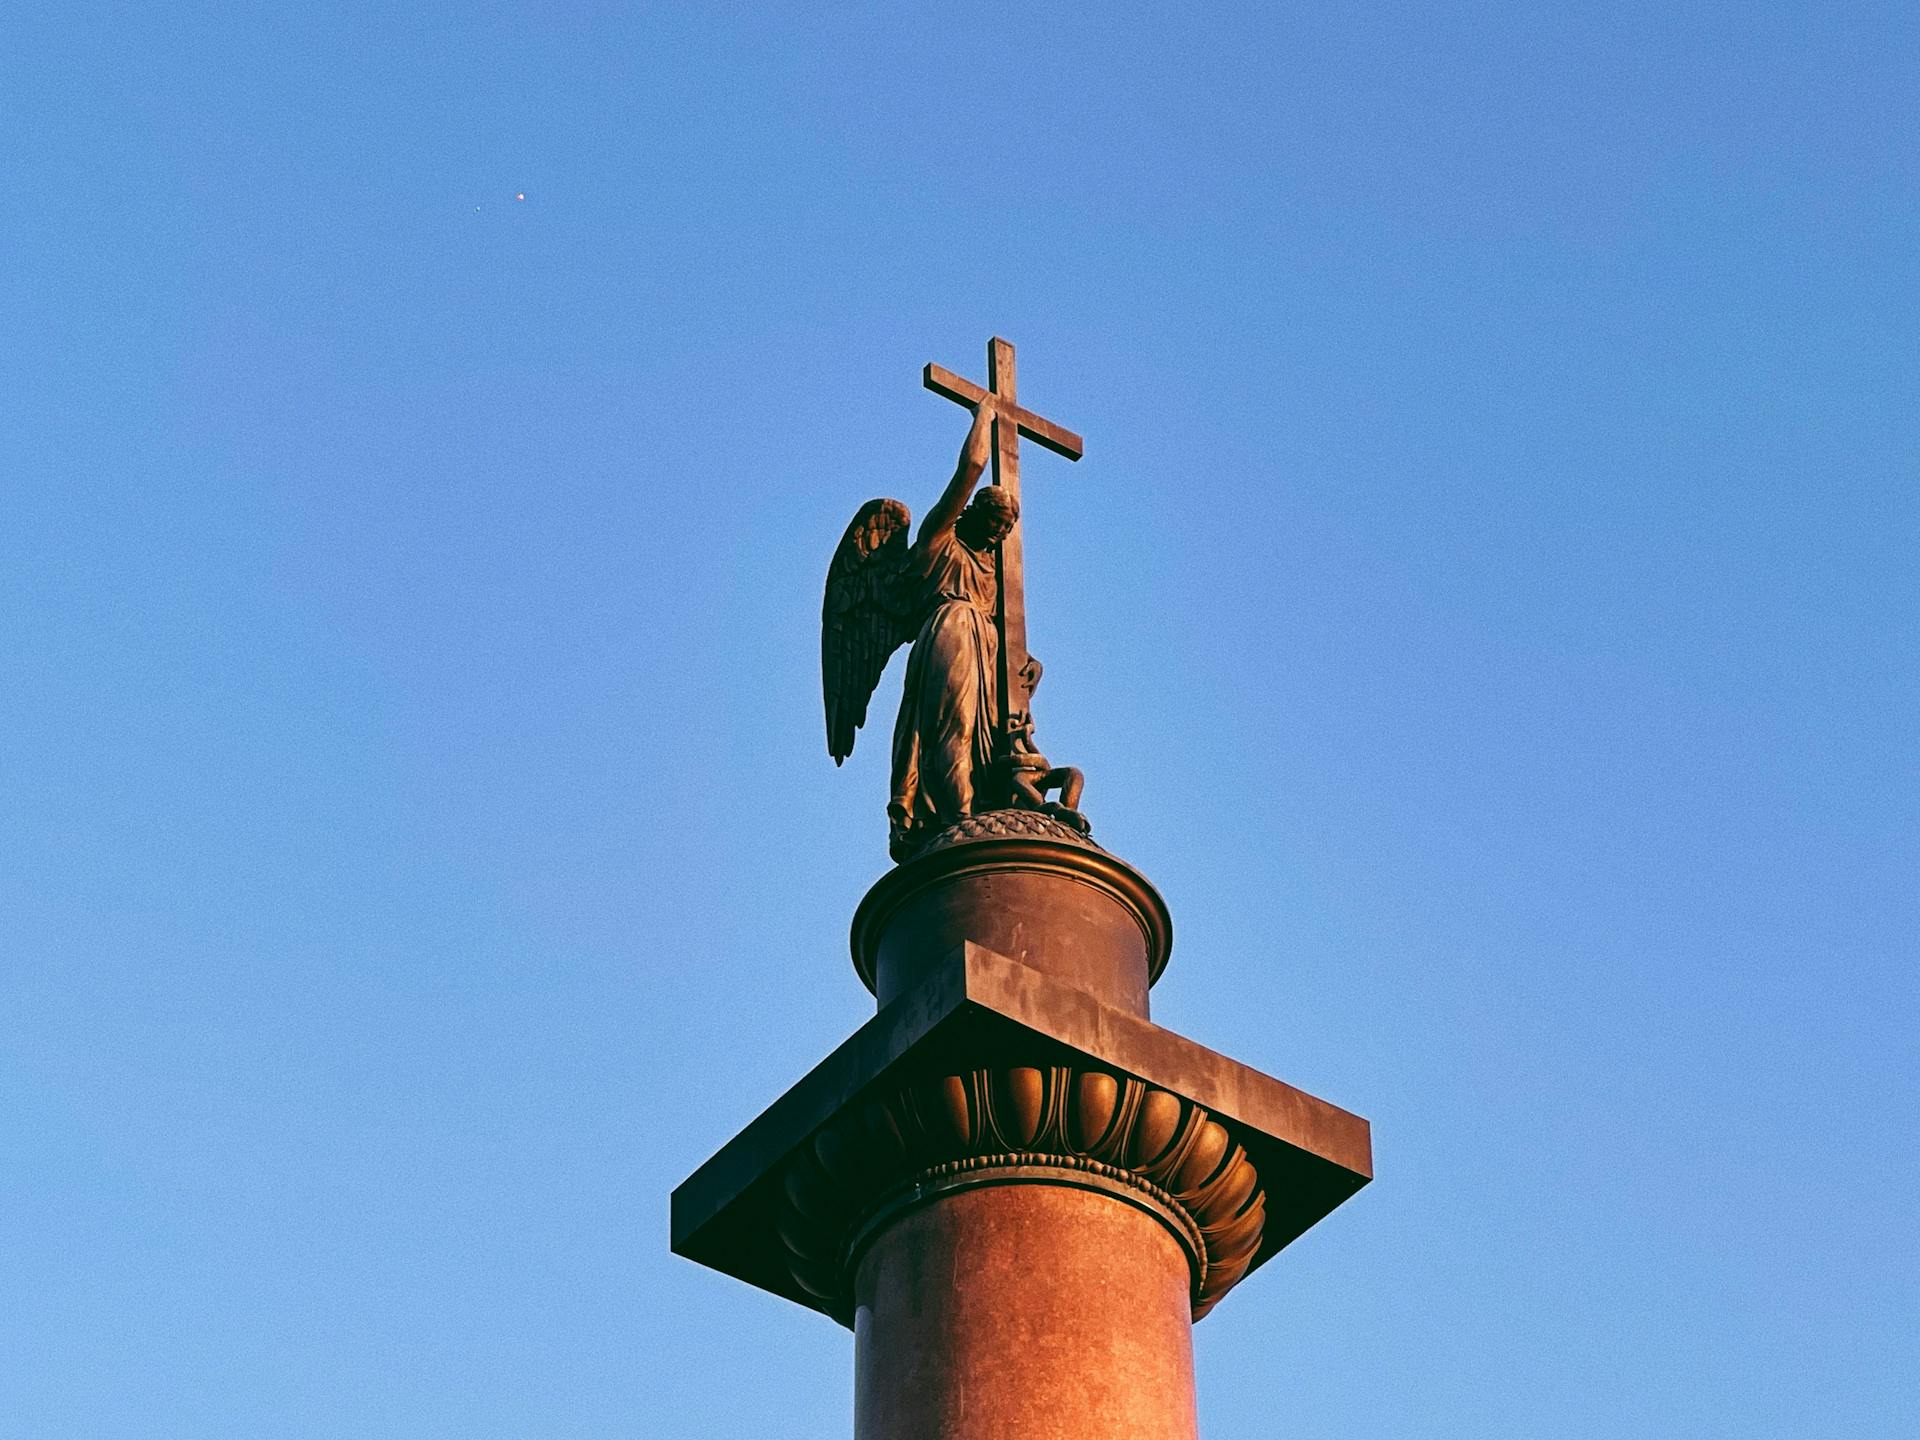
963,739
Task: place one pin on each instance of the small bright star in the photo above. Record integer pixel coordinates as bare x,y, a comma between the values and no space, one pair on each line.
521,196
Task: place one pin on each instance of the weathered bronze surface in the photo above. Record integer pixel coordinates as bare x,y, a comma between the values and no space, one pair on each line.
963,739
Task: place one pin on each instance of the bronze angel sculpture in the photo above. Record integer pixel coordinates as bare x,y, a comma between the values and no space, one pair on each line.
956,751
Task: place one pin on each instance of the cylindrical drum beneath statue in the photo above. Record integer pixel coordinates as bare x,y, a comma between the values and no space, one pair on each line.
1024,1311
1028,887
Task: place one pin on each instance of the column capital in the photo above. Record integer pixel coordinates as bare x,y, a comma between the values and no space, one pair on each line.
1000,1059
1020,1125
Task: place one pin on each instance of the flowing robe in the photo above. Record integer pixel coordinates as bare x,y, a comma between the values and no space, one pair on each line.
950,712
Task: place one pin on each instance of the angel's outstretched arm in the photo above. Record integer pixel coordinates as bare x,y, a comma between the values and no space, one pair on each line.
966,474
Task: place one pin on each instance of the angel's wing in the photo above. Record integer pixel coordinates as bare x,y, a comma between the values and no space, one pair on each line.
863,620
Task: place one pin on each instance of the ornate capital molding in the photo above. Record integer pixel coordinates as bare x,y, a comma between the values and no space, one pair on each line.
1021,1125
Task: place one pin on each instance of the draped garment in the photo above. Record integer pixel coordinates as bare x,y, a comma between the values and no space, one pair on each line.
950,711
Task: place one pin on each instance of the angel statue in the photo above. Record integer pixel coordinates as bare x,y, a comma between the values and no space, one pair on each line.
954,751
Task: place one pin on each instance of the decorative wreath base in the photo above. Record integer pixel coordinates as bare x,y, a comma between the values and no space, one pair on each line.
1002,825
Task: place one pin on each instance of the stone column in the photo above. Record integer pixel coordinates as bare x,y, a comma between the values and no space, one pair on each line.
1024,1311
1016,1287
1017,1190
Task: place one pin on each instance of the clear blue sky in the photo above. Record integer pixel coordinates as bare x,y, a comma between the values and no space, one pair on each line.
1487,609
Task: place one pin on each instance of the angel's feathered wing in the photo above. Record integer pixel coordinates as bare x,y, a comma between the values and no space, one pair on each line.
864,619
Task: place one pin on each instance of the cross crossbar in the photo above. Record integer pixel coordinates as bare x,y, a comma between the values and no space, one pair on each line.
1056,438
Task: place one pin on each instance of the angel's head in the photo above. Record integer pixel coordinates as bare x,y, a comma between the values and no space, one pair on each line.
988,518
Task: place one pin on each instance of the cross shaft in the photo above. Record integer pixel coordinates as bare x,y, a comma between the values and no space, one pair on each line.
1010,422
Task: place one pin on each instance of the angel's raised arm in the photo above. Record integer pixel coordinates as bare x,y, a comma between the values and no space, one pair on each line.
966,474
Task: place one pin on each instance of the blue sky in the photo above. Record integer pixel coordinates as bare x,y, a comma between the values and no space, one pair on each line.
1486,609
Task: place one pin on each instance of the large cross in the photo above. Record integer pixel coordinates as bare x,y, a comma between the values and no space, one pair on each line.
1010,422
